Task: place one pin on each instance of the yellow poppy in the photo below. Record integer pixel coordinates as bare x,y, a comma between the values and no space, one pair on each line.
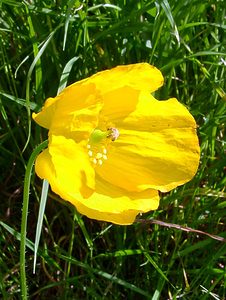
113,146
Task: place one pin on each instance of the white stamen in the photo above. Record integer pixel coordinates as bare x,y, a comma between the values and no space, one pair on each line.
90,153
99,155
100,162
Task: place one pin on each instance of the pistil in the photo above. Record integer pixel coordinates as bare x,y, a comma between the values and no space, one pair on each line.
98,142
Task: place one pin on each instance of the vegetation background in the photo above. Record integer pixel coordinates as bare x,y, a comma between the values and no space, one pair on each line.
80,258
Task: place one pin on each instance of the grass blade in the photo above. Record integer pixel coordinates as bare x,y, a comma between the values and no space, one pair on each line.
45,189
65,74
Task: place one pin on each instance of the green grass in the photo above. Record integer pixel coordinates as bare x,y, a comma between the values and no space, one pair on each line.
80,258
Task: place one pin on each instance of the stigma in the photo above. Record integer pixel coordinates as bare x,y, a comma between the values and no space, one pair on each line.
114,133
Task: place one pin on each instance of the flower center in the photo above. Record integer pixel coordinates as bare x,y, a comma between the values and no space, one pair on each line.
98,142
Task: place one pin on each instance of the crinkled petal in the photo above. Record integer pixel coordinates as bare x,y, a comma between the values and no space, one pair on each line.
140,76
44,117
117,105
107,203
75,124
65,165
89,92
112,204
75,108
157,148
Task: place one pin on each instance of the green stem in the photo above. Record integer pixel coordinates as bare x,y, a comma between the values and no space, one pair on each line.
27,180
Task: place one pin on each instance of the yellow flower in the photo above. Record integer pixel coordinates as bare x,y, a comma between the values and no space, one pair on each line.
113,146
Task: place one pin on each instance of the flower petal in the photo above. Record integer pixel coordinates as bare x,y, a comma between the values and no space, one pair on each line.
118,104
44,117
140,76
88,92
107,203
112,204
74,107
157,148
66,166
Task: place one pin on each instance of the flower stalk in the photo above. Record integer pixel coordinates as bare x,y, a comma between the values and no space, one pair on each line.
27,181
